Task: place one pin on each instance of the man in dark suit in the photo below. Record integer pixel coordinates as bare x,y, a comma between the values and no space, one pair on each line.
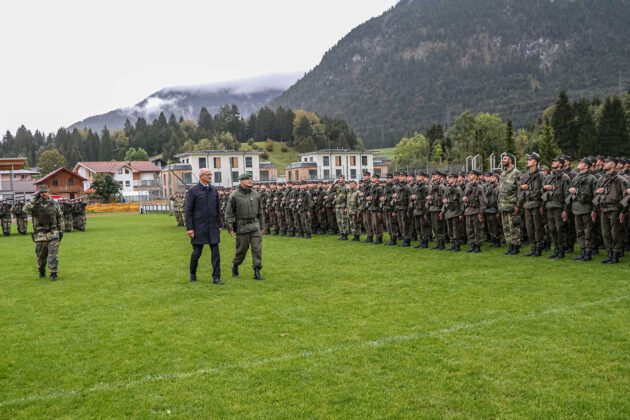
203,223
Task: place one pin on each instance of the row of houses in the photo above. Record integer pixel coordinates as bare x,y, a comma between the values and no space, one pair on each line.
137,179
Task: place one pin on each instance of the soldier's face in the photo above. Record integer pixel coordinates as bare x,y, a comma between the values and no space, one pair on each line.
582,166
44,195
505,160
451,180
609,165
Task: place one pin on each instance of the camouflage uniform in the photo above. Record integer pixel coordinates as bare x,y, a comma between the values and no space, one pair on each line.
68,218
305,209
556,205
48,227
391,225
364,209
375,193
179,204
402,211
609,207
341,194
474,206
530,201
437,191
493,215
20,217
421,214
585,185
509,186
353,213
78,211
452,210
5,215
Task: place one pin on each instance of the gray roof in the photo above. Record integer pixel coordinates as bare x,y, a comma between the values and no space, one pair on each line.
266,165
219,152
296,165
177,167
364,152
19,186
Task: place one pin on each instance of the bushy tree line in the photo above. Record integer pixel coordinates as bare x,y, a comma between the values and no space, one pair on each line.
582,128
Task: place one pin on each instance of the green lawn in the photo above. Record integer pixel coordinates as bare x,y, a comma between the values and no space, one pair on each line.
337,330
386,152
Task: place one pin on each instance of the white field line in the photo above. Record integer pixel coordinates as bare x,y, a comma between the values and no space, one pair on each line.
305,354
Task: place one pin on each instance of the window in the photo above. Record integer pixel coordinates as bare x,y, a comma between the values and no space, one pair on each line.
338,173
234,175
364,160
217,163
217,177
312,174
353,161
326,173
377,171
290,176
353,174
55,182
337,160
126,171
264,175
120,171
305,159
234,162
326,161
120,183
127,183
297,175
248,162
187,177
70,181
202,163
311,158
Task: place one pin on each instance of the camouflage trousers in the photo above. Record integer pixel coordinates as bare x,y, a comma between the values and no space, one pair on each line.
390,224
179,216
511,227
288,219
243,241
494,226
67,223
354,220
332,220
22,225
322,220
280,222
612,231
47,251
557,227
404,223
342,220
6,226
584,231
377,224
366,219
306,222
297,221
79,222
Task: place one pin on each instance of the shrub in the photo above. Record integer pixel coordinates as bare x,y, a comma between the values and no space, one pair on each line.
269,146
250,142
284,149
264,155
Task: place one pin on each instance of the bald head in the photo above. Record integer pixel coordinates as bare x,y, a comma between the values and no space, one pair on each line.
205,175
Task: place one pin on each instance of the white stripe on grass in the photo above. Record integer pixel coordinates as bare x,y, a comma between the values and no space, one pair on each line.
305,354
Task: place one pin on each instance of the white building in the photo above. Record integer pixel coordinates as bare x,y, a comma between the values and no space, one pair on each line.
226,165
132,176
331,163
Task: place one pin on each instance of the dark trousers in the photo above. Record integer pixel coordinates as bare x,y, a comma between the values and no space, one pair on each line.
584,231
557,227
215,258
474,229
535,226
439,225
423,227
612,231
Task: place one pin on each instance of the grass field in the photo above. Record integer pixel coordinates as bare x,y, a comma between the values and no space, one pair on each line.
337,330
277,156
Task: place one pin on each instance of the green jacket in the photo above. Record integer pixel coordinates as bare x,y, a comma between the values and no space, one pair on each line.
509,187
582,201
47,219
353,202
245,209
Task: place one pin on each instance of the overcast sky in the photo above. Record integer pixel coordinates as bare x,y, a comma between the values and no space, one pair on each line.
65,60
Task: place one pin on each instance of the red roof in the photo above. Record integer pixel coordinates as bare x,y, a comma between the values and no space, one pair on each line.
112,167
41,180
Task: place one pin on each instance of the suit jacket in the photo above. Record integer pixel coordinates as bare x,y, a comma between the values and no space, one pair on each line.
203,214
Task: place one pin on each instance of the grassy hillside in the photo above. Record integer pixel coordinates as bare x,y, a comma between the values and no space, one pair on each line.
277,156
337,330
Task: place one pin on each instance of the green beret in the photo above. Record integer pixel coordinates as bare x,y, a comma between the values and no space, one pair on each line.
245,175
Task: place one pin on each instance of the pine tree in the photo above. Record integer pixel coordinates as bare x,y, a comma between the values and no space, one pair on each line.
205,120
612,132
509,145
560,122
106,149
587,137
548,147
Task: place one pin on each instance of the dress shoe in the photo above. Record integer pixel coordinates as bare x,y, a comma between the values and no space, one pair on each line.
193,277
217,281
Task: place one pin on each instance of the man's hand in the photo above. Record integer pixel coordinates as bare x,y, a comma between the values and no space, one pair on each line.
394,214
524,187
593,216
548,187
220,230
262,230
441,215
542,211
231,234
622,217
308,213
572,190
379,215
565,216
599,191
516,210
465,199
480,217
461,218
191,233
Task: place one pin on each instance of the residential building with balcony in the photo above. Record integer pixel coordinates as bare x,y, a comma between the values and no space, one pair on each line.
226,165
327,164
134,177
63,182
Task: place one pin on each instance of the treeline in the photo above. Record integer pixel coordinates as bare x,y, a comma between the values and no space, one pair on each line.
580,128
168,137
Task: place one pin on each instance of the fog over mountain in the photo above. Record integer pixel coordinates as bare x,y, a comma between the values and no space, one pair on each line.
186,101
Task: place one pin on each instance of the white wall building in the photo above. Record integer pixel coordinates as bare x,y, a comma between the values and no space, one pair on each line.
132,176
332,163
226,165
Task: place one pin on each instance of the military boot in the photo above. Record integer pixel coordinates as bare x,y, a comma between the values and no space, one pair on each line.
441,246
235,271
283,233
276,233
343,237
556,251
42,273
452,248
509,250
531,253
53,276
392,241
580,257
477,249
405,243
379,240
193,277
456,248
367,240
587,256
257,275
516,250
471,249
437,245
356,238
547,246
614,259
424,244
608,258
267,231
419,245
307,235
560,253
538,252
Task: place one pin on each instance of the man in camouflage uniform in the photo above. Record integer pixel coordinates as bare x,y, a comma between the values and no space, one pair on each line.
403,197
387,207
5,217
509,186
178,207
287,210
556,187
279,206
20,217
452,211
608,195
48,227
78,213
364,207
581,194
434,201
296,192
474,207
530,200
340,189
305,209
68,217
420,210
353,211
373,199
493,217
319,208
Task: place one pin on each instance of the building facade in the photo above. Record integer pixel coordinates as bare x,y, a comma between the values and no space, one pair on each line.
134,177
226,165
63,182
329,164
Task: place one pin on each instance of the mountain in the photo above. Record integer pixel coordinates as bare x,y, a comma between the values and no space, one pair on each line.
426,61
248,94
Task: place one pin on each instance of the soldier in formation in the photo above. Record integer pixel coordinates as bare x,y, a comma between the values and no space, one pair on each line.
5,216
20,216
178,201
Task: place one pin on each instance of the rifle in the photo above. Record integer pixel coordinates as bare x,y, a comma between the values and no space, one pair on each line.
577,186
598,197
525,193
554,178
